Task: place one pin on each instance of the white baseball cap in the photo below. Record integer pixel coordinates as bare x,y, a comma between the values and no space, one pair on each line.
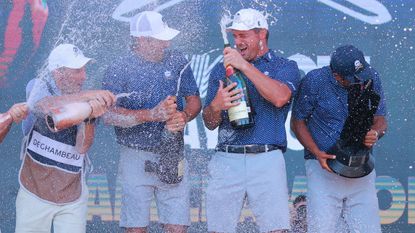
66,55
150,23
247,19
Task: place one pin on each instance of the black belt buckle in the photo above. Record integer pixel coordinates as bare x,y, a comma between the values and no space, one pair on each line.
247,149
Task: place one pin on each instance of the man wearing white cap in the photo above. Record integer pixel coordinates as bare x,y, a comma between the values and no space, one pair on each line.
52,180
249,163
165,97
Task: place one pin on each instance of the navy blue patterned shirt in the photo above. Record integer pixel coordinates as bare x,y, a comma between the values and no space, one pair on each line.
152,82
322,102
269,125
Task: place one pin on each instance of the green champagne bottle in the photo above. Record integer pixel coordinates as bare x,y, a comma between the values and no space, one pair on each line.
240,116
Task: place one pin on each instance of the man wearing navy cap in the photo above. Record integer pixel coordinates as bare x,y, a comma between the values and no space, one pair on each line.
152,73
319,114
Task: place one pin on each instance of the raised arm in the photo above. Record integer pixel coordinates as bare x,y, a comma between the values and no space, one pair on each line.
276,92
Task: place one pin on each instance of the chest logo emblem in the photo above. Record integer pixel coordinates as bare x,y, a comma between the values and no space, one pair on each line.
167,74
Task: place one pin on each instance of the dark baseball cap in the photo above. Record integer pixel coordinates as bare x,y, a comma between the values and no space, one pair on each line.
349,62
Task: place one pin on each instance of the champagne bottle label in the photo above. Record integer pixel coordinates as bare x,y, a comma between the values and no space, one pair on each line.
239,112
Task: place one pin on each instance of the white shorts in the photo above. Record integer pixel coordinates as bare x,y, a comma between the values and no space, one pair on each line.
260,177
139,188
35,215
330,195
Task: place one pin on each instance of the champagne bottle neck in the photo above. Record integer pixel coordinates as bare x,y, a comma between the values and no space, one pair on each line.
229,69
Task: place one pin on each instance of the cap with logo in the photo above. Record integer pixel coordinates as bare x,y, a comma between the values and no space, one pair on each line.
66,55
349,62
247,19
151,24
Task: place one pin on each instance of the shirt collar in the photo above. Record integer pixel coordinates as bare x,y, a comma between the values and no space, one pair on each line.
333,80
268,57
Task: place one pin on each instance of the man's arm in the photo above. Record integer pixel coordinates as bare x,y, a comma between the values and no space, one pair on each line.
377,130
86,130
123,117
300,129
180,118
193,107
16,114
5,125
44,105
274,91
85,137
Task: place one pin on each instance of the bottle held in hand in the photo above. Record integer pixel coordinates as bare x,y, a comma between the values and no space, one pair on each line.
67,116
240,116
170,167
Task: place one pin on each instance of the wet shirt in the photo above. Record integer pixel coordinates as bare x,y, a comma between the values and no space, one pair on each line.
269,120
37,89
150,83
322,102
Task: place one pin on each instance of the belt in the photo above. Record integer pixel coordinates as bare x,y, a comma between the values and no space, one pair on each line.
247,149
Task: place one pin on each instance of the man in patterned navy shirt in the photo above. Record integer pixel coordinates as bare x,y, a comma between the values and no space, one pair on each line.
319,113
151,73
249,162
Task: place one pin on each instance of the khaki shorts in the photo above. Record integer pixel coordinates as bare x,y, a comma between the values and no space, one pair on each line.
139,188
329,196
260,177
35,215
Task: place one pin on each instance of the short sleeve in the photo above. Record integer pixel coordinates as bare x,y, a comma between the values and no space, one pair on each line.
188,86
213,85
305,99
289,74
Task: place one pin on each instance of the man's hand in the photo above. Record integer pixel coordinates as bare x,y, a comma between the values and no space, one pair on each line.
322,159
224,97
371,138
165,110
18,112
100,101
177,122
103,96
234,58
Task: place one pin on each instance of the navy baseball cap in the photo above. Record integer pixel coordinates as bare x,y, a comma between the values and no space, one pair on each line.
349,62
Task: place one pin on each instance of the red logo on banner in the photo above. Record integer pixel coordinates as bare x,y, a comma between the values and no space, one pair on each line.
13,33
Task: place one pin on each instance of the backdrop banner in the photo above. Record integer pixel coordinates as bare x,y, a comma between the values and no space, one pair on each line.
306,31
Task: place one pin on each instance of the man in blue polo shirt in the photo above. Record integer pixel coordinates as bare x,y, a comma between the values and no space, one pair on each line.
151,74
249,162
319,114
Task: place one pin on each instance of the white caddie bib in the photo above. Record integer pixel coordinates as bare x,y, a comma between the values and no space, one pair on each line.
55,150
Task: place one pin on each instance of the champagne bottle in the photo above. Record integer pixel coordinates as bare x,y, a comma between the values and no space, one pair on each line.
240,116
170,167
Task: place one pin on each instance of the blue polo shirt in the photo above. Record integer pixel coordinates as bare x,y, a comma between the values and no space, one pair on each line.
269,125
152,82
322,102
